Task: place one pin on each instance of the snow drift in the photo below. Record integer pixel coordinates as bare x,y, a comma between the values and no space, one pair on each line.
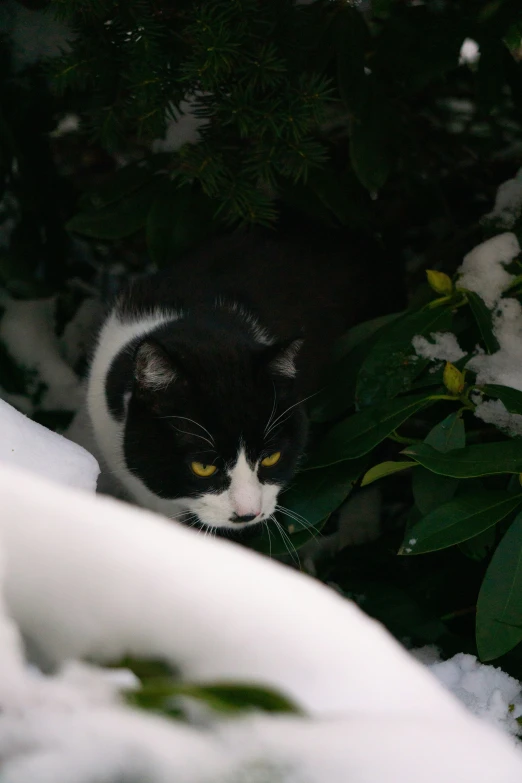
89,577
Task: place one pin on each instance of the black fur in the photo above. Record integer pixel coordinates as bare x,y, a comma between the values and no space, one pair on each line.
223,378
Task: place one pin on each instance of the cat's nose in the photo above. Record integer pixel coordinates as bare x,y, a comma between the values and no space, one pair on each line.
243,517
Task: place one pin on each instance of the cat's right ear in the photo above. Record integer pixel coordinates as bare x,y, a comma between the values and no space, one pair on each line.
153,369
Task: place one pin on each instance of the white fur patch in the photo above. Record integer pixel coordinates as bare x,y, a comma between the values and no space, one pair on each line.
153,370
246,495
114,336
284,364
259,333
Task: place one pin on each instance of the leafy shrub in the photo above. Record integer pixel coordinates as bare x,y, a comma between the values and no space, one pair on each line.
457,436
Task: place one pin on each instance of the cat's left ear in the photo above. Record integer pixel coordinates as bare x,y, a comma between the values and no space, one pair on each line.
153,369
281,357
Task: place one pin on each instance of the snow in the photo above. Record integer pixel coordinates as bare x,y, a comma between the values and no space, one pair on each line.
28,445
444,346
495,412
504,367
483,270
182,129
508,203
487,691
27,331
88,577
469,52
63,547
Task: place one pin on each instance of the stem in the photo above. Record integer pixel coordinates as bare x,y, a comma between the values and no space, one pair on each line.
439,302
459,613
402,439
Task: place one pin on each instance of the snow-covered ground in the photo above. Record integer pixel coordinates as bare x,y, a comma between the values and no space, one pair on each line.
89,577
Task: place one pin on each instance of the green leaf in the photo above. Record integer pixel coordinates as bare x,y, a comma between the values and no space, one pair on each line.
222,697
313,496
359,333
431,490
479,547
485,459
349,354
180,217
361,432
499,607
512,398
459,519
117,220
448,435
484,321
384,469
391,366
373,132
338,395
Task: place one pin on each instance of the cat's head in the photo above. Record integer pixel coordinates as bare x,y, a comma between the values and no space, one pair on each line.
218,429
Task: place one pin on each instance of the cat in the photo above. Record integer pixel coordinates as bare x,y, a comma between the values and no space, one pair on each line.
198,382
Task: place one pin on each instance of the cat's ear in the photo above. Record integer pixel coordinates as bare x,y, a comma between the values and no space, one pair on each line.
153,369
281,357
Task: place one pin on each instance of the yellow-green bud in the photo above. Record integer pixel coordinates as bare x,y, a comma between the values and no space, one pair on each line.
453,379
440,282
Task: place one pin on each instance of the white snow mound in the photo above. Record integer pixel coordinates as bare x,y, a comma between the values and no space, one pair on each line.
26,444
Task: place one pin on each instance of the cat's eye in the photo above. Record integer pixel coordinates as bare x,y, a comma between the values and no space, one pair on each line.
202,470
271,460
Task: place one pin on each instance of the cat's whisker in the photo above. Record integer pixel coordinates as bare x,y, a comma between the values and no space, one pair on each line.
265,524
287,540
191,434
300,521
290,407
197,425
293,515
273,408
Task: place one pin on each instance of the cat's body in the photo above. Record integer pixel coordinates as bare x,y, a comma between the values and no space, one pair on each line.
196,382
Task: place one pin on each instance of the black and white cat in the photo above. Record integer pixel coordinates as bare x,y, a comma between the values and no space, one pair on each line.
197,380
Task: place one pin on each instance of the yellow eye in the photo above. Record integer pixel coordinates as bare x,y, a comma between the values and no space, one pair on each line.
201,470
273,459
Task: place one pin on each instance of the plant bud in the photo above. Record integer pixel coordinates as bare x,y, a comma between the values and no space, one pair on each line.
453,379
440,282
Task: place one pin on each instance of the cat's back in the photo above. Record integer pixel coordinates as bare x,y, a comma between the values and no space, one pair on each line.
293,285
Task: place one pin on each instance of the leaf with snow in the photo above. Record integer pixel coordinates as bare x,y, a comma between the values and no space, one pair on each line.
495,412
391,366
484,321
512,398
508,204
444,347
482,270
504,367
499,607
